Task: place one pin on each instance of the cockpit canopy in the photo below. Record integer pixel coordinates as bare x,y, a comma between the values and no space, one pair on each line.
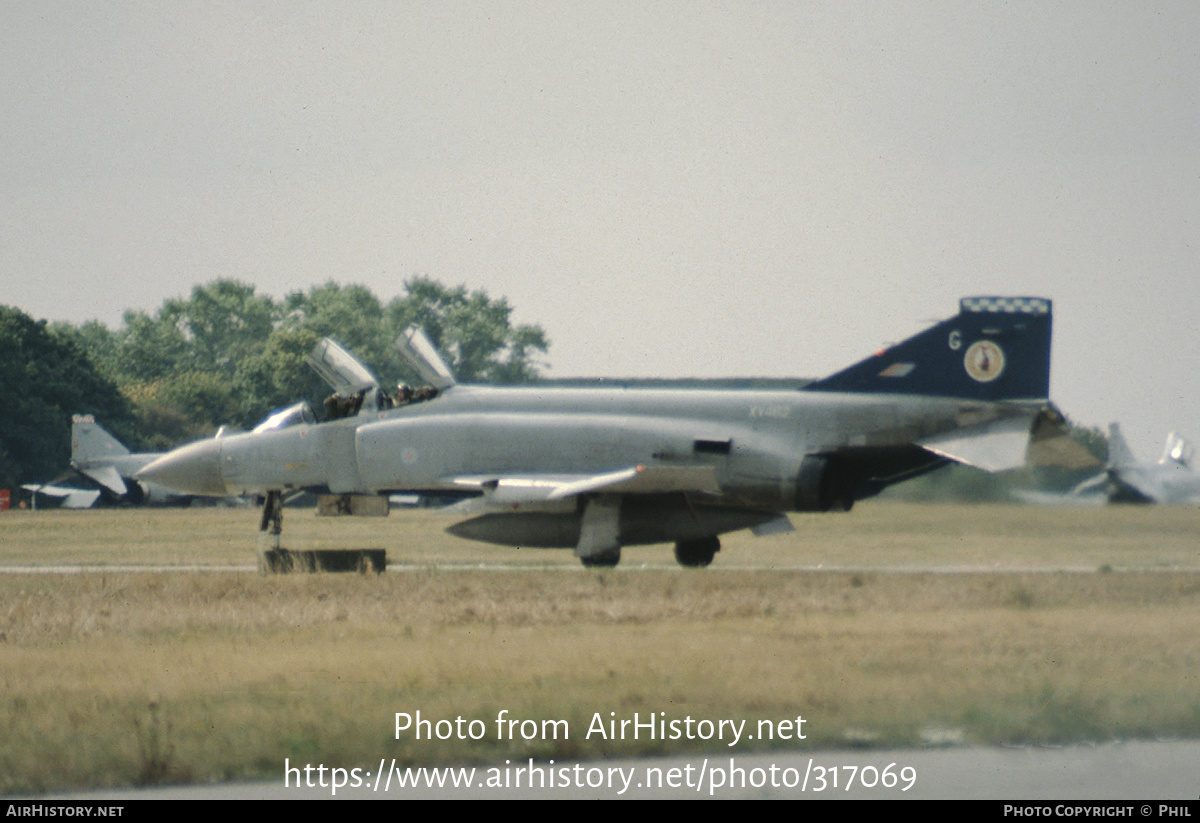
344,372
347,375
290,416
420,353
355,387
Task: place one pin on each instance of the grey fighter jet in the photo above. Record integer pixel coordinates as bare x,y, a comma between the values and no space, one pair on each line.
1124,480
102,458
595,470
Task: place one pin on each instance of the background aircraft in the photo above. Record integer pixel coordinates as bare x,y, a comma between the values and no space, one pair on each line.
98,455
598,469
1171,480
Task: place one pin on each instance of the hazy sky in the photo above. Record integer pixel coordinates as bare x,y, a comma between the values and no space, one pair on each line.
669,189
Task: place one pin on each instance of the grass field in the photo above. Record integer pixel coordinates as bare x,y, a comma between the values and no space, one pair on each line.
892,625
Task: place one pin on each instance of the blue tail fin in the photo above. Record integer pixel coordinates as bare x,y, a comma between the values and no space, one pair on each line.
996,348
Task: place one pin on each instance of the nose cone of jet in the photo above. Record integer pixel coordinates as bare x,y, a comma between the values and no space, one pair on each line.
191,469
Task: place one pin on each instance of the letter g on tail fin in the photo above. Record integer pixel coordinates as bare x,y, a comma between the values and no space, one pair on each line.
996,348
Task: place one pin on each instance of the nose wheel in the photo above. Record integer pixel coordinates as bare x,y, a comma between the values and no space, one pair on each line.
272,517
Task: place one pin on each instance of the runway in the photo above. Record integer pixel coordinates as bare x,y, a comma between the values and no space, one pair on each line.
624,568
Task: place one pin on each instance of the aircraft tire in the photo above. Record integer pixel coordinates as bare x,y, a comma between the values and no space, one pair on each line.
604,560
696,554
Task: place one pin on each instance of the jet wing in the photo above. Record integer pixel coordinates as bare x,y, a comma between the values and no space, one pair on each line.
1133,485
633,480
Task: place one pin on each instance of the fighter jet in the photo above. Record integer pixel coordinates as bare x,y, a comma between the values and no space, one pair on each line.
598,469
98,455
1124,480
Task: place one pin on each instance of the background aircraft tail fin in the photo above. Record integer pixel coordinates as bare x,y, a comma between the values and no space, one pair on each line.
90,442
996,348
1177,451
1119,453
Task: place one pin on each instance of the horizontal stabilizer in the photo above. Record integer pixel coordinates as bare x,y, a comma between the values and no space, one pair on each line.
993,447
108,477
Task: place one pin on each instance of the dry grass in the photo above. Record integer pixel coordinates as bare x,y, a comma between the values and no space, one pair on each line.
115,678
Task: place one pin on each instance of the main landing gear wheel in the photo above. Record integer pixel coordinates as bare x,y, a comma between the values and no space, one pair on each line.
696,554
604,560
272,517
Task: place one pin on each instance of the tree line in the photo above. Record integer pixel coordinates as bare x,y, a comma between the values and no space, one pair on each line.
228,355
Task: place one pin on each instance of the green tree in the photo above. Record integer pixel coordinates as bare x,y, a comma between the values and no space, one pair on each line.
227,355
97,341
352,315
45,378
147,348
183,367
278,375
224,324
473,330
